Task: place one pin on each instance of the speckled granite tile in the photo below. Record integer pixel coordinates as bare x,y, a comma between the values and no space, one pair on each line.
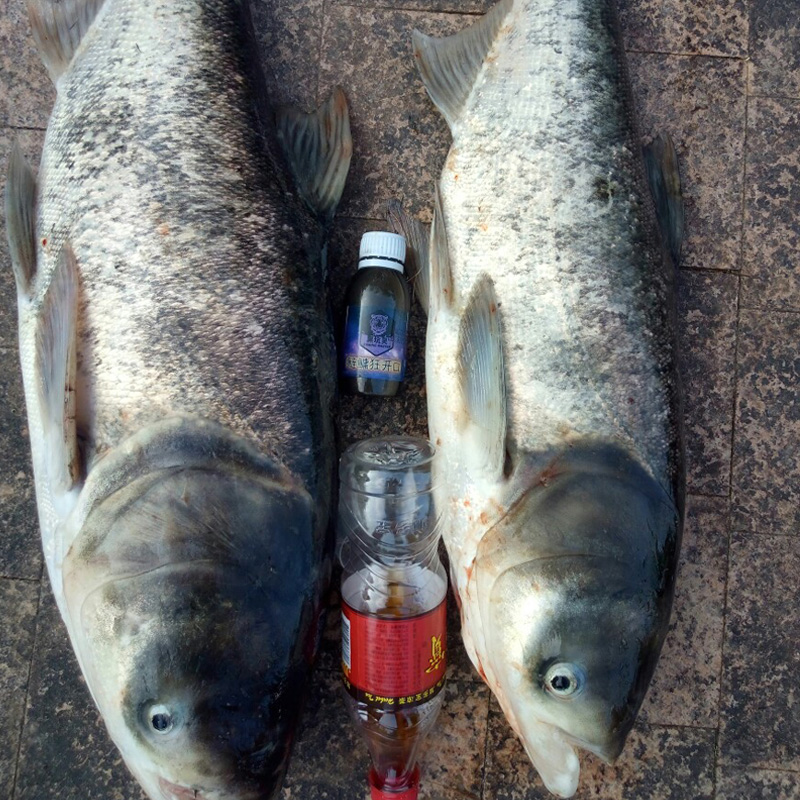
400,140
774,47
700,102
685,687
288,34
20,550
19,601
766,467
66,752
26,92
755,784
706,27
707,345
760,723
771,259
452,760
657,764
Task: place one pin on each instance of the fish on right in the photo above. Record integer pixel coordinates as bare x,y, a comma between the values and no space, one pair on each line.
554,395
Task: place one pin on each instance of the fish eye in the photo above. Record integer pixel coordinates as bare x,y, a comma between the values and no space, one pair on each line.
160,718
564,680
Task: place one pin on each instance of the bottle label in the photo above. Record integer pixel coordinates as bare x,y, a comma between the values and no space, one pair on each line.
374,344
394,663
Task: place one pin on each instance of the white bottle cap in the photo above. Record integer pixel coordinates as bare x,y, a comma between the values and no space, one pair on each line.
382,249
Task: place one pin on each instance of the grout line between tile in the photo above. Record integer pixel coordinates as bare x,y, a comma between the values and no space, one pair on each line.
484,765
24,721
795,98
681,54
711,270
22,128
426,11
18,578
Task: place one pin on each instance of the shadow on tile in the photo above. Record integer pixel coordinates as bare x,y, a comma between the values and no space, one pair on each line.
700,102
771,259
760,724
685,687
707,342
766,469
19,603
657,764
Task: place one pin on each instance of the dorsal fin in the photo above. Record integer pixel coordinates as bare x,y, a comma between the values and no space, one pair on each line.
663,173
55,365
417,236
318,148
59,28
21,219
450,66
482,378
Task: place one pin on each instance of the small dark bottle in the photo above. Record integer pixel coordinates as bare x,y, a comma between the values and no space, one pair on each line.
376,322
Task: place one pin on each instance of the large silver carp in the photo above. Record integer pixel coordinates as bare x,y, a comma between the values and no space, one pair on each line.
553,394
177,362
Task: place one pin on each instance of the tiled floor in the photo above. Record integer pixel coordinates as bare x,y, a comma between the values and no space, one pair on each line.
722,719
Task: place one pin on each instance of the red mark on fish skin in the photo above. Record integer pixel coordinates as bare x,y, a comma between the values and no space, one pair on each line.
480,670
484,518
163,229
631,401
171,791
468,570
44,242
467,504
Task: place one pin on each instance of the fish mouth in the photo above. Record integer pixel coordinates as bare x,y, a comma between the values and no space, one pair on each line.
172,791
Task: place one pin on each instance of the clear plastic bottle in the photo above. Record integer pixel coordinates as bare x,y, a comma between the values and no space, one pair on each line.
393,605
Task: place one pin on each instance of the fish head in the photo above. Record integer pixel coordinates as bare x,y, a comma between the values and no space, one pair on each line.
573,628
194,607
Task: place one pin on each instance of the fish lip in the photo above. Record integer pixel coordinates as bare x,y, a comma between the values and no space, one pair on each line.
609,754
174,791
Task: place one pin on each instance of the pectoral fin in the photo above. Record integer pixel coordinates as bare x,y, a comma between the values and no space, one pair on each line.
318,148
482,378
21,219
55,365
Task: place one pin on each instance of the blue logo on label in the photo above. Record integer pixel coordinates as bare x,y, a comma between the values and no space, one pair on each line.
380,339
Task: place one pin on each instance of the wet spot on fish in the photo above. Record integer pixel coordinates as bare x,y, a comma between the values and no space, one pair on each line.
438,441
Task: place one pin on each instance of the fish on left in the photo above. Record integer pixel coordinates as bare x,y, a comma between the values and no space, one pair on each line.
177,359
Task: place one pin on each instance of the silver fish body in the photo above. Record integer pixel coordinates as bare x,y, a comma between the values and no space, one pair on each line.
553,393
177,360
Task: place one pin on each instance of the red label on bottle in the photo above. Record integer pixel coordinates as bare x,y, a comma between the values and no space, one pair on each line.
393,663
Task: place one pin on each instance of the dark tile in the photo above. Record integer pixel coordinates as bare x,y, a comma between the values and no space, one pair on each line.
707,27
770,271
66,752
766,468
707,346
755,784
774,47
760,722
657,764
685,687
700,102
19,601
20,549
400,140
288,34
330,759
26,92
